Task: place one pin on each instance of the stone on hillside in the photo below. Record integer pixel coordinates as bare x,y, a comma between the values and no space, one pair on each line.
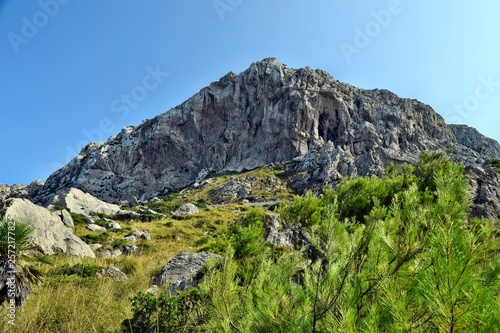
130,238
290,236
95,246
116,252
114,273
82,203
114,226
124,215
186,210
142,234
95,227
49,232
185,270
233,189
65,217
130,249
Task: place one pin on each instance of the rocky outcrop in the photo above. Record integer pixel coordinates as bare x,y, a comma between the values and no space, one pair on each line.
184,271
82,203
486,183
21,191
49,232
278,235
269,113
471,138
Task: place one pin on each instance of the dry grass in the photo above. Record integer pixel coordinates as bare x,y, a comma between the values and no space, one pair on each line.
74,304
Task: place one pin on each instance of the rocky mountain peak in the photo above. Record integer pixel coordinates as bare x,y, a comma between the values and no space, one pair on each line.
269,113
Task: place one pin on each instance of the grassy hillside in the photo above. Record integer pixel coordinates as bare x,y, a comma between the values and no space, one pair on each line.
393,255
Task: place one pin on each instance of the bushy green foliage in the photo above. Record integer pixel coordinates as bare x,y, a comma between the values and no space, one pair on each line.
397,254
495,164
81,270
78,219
163,207
100,238
165,313
18,259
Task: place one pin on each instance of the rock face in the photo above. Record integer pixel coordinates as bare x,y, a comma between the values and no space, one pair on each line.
183,271
269,113
49,232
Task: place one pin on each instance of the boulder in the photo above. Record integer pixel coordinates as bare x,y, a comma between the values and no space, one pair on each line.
65,217
49,232
82,203
186,210
130,249
114,273
233,189
95,227
116,252
290,236
126,215
151,290
183,271
114,226
142,234
95,246
130,238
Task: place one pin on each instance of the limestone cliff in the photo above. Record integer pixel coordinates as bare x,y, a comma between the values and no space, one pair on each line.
269,113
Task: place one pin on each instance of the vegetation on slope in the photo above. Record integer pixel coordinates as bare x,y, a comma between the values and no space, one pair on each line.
397,254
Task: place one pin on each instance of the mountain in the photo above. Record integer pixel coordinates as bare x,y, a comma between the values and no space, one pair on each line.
268,114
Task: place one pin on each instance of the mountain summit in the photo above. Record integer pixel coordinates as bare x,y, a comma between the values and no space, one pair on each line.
271,113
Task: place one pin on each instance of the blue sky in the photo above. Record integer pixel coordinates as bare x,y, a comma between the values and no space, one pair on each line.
67,66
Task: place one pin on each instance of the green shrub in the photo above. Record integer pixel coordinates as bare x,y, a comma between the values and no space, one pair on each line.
81,270
78,219
165,313
100,238
163,207
495,164
202,203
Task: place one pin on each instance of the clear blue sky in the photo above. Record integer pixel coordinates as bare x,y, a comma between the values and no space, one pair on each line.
66,66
